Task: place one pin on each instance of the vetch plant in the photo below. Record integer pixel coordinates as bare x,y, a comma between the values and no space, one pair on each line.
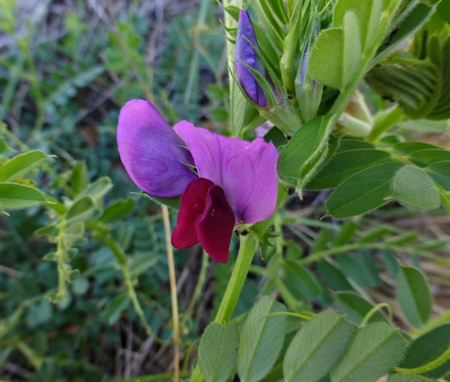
308,297
299,65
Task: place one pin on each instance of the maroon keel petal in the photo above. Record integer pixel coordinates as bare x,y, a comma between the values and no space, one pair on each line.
192,207
215,227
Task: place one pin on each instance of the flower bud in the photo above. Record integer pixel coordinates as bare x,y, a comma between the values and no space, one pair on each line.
245,57
307,90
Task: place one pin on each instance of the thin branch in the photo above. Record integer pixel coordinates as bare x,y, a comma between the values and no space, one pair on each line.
173,294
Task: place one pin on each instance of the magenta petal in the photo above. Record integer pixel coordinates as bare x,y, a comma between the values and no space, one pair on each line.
215,227
153,155
192,207
246,171
244,52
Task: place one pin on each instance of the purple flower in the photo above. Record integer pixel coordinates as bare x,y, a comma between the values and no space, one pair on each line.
236,183
152,153
244,52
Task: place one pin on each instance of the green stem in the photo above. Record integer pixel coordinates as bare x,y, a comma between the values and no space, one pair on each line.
193,78
380,246
31,355
374,310
345,96
61,253
249,244
173,293
125,269
427,367
384,121
198,287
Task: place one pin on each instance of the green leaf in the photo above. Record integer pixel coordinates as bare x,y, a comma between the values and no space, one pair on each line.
118,210
440,172
215,93
73,233
344,164
98,189
47,230
321,241
423,125
413,295
262,338
374,350
219,115
360,268
413,20
429,156
301,281
14,195
346,144
39,312
304,151
142,262
80,286
79,179
409,81
363,191
428,348
7,324
415,188
409,378
345,234
333,276
368,13
407,148
391,263
316,347
239,108
217,352
19,164
115,307
82,210
340,46
374,234
356,308
3,144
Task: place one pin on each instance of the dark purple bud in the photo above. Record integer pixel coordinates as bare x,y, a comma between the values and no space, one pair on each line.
245,53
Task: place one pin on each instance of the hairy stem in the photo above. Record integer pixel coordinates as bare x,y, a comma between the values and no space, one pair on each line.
385,121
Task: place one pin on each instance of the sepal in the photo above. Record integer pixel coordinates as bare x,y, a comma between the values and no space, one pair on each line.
356,120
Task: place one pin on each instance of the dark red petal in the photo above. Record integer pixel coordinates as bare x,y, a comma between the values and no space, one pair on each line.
215,227
192,207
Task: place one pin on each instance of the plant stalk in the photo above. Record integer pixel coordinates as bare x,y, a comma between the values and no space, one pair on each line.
248,247
173,294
